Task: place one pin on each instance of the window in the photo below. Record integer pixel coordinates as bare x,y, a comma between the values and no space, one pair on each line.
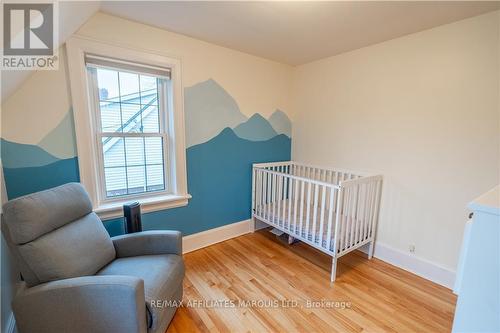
133,127
131,132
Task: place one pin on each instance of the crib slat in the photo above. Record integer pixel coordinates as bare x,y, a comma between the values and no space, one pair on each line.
352,215
286,185
269,195
264,191
372,205
262,194
295,203
354,208
315,213
308,208
354,218
256,191
345,219
341,212
322,215
367,212
278,199
361,212
358,214
289,201
340,195
273,197
330,220
302,185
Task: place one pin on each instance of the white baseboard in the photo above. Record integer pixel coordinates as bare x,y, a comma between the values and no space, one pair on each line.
205,238
418,266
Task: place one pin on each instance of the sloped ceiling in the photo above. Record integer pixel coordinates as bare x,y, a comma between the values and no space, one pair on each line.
289,32
71,16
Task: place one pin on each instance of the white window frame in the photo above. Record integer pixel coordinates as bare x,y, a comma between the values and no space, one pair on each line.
85,128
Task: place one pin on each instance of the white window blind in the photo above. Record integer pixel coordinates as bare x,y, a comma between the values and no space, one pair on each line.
122,65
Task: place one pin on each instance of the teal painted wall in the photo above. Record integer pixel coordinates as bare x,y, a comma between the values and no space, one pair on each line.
219,180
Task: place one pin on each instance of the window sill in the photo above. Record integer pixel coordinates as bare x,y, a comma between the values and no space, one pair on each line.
115,209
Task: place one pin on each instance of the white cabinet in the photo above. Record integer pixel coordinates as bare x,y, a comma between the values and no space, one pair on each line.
478,305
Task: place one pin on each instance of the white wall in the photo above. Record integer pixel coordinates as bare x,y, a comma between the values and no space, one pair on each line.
423,110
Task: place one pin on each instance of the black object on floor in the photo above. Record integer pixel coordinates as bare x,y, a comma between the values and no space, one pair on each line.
132,214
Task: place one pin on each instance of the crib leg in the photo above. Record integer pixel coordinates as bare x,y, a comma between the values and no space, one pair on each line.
334,269
370,249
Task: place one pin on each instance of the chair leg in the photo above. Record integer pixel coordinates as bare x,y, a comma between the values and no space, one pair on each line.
334,269
370,250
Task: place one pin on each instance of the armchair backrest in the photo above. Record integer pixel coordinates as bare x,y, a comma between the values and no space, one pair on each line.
54,234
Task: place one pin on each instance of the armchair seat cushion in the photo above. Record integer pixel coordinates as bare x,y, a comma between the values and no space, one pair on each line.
162,275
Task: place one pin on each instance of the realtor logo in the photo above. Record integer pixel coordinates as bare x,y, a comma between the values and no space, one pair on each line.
28,36
28,29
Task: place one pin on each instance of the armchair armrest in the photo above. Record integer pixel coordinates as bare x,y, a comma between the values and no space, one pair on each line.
148,242
84,304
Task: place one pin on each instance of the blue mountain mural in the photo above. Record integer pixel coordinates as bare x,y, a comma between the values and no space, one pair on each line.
29,168
19,155
220,182
281,123
256,128
208,109
22,181
60,141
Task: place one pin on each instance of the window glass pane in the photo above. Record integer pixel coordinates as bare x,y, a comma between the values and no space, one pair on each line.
149,90
136,179
150,119
133,165
116,181
110,117
135,151
129,87
107,81
154,174
113,152
154,150
131,118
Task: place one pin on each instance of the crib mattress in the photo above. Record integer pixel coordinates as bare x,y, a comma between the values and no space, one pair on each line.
269,212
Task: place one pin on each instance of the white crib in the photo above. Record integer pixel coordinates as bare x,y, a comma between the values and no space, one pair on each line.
332,210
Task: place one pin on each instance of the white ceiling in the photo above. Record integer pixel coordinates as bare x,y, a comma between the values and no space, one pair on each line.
291,32
296,32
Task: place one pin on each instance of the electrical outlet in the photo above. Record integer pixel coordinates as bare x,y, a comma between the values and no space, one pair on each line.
412,248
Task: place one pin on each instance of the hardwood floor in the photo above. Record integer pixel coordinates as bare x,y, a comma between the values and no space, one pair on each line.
370,295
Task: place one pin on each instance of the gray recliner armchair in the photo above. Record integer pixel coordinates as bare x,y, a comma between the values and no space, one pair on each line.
78,279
